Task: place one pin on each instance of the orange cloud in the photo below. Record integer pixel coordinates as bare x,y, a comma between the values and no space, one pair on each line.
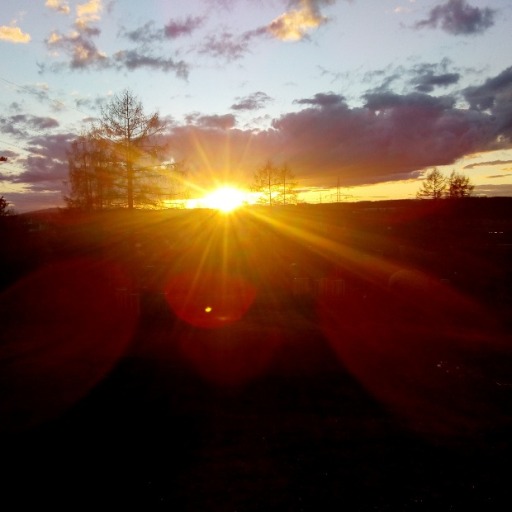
295,24
13,35
88,12
58,5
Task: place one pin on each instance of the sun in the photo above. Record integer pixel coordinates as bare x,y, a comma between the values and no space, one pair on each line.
226,199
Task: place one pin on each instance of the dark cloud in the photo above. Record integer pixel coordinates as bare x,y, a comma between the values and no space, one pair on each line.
322,100
495,96
388,100
254,101
133,59
47,167
389,137
429,81
22,125
492,162
459,18
144,34
492,92
392,135
186,27
225,45
230,46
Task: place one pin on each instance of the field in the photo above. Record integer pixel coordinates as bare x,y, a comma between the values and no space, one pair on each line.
339,357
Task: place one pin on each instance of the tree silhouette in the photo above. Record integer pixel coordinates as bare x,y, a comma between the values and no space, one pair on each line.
433,186
125,125
93,174
459,186
118,163
276,185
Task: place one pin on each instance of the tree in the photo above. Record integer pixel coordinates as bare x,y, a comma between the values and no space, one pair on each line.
94,174
4,207
118,163
433,187
125,125
459,186
276,185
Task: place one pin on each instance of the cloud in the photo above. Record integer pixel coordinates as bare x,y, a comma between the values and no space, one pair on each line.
22,125
13,35
88,12
458,18
427,80
254,101
144,34
133,59
229,46
47,167
493,190
174,29
391,137
495,96
186,27
485,164
61,6
80,47
322,100
217,122
295,24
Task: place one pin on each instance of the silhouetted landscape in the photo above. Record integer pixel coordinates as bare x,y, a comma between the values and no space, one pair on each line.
351,356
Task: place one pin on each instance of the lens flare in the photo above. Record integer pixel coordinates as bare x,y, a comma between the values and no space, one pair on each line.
209,300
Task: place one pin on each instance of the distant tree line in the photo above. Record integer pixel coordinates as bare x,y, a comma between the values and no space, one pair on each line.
438,186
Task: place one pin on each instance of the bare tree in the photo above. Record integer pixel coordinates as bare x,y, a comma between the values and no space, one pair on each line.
459,186
276,185
118,163
433,186
129,129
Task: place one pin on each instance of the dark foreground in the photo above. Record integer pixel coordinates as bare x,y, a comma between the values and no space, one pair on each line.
172,429
356,359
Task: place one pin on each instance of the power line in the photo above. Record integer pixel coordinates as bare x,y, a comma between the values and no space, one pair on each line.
16,146
44,96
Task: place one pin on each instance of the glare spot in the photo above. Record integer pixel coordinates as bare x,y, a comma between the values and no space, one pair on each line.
225,199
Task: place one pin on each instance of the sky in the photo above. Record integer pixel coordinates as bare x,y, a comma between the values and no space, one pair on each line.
360,98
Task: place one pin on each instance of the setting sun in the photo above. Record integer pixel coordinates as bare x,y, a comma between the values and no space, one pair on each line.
225,199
